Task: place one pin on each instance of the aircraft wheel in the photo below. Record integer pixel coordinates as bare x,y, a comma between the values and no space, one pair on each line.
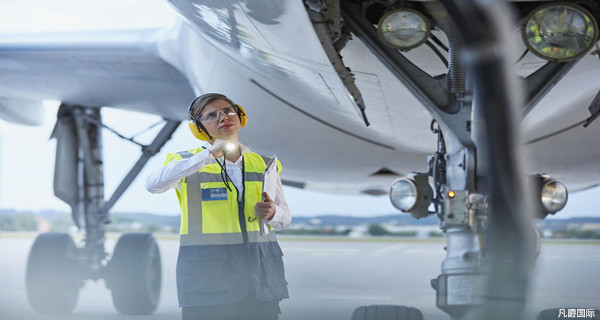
386,312
52,279
134,274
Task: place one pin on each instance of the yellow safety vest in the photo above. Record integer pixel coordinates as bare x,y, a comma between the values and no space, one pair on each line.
222,256
210,213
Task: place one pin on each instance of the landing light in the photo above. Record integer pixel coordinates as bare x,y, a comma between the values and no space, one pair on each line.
559,31
551,196
554,195
412,194
403,28
403,194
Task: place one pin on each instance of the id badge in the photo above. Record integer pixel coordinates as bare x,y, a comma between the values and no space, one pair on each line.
214,194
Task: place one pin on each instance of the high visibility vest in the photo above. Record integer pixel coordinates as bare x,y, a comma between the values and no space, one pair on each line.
222,254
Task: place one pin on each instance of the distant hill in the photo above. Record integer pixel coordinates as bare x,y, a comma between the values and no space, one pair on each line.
588,223
334,220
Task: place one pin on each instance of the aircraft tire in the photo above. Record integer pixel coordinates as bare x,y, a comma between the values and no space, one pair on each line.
51,278
134,274
386,312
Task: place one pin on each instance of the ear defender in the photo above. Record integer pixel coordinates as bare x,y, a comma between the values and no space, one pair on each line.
197,132
242,115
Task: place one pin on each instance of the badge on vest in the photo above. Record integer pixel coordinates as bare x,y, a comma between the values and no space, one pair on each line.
214,194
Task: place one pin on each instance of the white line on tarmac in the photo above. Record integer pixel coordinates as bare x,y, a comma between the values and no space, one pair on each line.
574,257
351,297
425,252
392,248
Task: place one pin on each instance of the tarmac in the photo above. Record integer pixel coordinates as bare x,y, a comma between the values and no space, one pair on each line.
329,277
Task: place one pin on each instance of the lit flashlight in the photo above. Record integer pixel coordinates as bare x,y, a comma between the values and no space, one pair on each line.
227,147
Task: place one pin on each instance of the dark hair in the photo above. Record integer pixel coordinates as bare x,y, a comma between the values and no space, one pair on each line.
199,103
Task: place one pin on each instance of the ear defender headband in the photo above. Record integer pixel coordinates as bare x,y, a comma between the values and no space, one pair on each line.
200,132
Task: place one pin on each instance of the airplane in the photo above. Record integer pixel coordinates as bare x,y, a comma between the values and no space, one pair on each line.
479,112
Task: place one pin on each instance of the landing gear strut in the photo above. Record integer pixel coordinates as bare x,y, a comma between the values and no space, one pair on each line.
57,267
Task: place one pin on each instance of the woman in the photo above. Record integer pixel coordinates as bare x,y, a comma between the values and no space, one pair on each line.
227,267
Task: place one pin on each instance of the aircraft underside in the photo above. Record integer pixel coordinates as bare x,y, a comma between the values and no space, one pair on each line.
372,91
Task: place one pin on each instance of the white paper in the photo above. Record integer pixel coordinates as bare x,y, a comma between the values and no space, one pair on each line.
270,187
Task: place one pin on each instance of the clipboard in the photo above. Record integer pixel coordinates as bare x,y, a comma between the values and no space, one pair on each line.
270,187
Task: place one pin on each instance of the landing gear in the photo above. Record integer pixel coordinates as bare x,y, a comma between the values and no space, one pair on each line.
52,277
134,274
480,195
57,268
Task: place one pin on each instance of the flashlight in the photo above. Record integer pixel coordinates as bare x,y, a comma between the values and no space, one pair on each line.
227,146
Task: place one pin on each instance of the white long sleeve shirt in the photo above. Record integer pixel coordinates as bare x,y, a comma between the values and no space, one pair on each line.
171,176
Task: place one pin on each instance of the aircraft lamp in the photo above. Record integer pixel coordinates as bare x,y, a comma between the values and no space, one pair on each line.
403,28
412,194
559,31
553,195
403,194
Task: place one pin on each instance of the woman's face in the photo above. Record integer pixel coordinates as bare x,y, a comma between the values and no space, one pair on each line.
220,120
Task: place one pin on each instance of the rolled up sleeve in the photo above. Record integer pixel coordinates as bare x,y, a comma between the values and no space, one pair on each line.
282,218
170,175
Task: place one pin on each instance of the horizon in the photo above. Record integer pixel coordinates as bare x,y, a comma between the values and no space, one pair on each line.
337,215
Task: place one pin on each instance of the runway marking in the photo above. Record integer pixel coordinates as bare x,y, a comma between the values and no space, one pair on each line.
425,252
571,258
393,248
322,251
336,252
351,297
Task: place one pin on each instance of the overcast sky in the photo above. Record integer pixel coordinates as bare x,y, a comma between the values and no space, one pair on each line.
27,156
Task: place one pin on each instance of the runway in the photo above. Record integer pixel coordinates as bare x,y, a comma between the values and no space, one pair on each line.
329,278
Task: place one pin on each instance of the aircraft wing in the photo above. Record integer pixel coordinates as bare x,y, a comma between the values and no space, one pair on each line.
153,71
121,69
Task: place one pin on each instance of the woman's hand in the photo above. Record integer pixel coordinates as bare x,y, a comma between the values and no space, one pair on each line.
265,209
217,148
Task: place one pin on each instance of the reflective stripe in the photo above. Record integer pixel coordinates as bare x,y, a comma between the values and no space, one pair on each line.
201,177
194,239
254,236
194,216
266,159
185,154
253,176
224,238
